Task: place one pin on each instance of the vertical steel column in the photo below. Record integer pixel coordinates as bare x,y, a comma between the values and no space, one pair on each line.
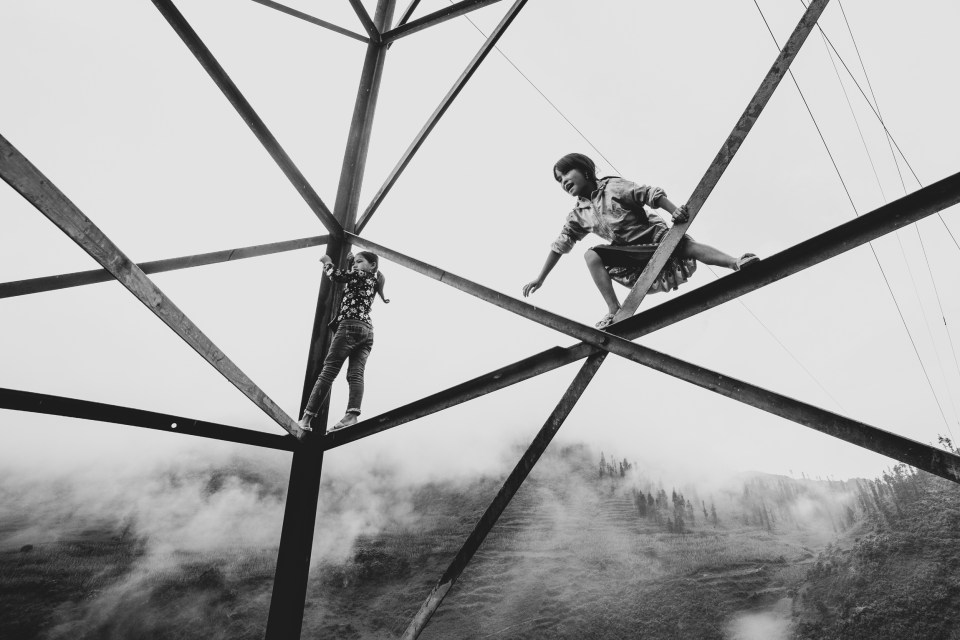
299,518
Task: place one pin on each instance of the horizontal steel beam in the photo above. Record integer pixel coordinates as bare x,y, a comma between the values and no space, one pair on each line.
447,13
17,400
724,157
39,191
365,20
93,276
308,18
510,487
434,118
888,218
245,109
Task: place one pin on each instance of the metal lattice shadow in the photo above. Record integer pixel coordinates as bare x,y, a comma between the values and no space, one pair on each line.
343,226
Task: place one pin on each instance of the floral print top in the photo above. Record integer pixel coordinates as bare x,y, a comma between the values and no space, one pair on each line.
615,212
358,292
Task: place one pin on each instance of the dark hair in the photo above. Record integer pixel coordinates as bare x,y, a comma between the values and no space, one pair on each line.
575,161
374,259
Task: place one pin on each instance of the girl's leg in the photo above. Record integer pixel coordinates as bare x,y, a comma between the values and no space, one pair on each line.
602,279
706,254
358,363
339,349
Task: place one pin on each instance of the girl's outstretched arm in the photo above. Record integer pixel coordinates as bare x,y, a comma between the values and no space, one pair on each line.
552,258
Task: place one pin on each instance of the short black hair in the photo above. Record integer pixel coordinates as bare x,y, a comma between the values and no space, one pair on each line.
575,161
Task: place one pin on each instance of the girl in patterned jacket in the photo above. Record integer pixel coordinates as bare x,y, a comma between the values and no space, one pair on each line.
354,335
614,209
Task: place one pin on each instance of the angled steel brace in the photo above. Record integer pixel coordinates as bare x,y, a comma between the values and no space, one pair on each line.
724,157
448,13
914,453
510,487
852,234
27,180
317,21
81,278
368,25
405,16
17,400
243,107
434,118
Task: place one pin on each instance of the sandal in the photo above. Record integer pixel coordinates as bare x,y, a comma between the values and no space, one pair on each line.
605,321
746,260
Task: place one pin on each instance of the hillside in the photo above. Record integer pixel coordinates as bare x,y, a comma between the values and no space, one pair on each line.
586,550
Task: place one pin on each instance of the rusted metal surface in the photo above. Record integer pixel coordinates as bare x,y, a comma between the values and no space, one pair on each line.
365,20
510,487
287,601
39,191
317,21
886,219
17,400
442,15
434,118
724,156
93,276
239,102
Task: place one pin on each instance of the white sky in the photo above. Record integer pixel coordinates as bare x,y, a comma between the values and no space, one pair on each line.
107,101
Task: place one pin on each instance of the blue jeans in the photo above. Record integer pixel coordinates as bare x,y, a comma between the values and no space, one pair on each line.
353,340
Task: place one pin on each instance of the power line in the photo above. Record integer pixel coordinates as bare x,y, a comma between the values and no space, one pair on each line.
857,214
544,96
923,247
880,119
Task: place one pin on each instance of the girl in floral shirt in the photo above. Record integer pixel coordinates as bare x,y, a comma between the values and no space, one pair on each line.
614,209
353,338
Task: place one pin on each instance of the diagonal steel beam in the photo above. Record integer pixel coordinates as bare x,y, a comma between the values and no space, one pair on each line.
29,182
447,13
724,157
852,234
17,400
914,453
434,118
317,21
506,493
367,22
243,107
93,276
405,16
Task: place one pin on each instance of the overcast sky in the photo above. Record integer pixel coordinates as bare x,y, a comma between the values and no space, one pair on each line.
107,101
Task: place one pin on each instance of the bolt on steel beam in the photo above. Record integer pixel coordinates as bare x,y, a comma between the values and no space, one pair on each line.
16,400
